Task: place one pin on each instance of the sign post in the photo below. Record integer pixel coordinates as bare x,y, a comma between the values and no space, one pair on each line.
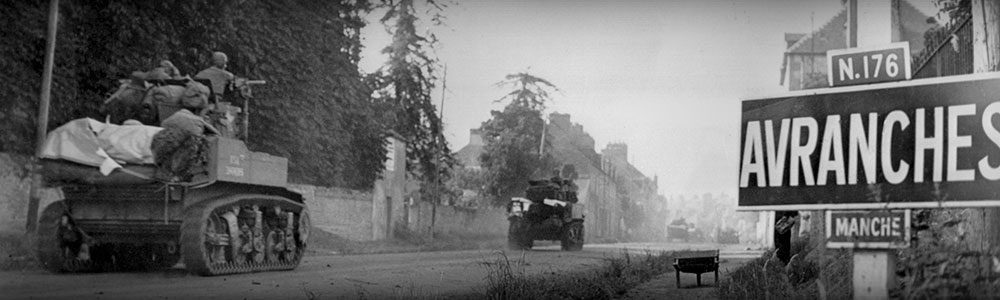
874,269
872,233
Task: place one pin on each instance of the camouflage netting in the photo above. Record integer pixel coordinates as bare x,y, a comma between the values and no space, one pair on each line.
179,155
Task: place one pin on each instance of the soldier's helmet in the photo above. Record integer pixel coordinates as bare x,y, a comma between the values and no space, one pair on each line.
219,59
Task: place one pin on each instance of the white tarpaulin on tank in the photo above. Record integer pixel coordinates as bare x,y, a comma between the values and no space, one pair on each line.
93,143
129,143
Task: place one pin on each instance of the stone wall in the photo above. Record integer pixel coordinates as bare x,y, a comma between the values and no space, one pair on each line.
456,220
344,212
15,186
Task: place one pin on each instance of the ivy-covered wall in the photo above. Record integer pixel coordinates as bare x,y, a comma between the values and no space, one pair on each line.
316,108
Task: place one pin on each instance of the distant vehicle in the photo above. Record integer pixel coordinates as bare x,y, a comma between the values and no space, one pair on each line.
234,214
547,212
679,230
727,236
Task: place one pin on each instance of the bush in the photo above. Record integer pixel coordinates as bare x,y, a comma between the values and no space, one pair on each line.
506,278
942,264
808,275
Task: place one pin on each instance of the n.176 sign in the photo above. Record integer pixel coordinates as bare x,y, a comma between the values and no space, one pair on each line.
868,65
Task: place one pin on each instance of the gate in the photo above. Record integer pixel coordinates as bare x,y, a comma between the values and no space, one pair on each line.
948,51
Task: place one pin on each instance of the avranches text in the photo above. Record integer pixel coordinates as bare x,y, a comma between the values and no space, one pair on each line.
939,135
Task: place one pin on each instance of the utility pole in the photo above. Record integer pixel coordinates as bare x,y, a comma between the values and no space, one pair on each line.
43,116
437,154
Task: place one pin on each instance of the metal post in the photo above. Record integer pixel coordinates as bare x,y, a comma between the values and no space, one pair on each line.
437,156
43,116
541,144
246,120
873,274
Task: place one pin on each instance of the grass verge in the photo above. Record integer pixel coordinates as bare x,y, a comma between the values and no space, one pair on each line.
507,279
808,275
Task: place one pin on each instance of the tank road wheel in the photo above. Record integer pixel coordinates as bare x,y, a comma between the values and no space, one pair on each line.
61,246
272,245
572,236
517,235
215,253
214,241
305,226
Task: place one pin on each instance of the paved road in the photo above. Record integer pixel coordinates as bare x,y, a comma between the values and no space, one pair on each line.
378,276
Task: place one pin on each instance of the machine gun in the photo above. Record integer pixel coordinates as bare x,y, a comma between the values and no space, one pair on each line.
243,86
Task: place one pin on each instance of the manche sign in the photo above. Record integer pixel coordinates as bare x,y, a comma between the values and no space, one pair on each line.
868,229
915,144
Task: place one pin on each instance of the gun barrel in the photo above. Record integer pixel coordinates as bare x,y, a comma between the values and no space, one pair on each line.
253,82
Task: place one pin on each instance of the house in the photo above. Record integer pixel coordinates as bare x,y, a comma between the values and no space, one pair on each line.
469,155
804,65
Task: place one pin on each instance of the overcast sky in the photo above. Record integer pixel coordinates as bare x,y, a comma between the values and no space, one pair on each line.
664,77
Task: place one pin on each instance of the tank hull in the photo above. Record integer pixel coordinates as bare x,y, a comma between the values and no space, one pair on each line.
127,227
529,222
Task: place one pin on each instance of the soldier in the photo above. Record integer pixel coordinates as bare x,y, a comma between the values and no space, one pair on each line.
224,111
783,234
193,106
217,74
166,70
179,149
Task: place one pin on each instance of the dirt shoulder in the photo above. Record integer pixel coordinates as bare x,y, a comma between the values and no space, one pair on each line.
664,286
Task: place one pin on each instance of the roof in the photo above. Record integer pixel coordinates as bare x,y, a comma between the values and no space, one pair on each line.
469,155
830,36
565,150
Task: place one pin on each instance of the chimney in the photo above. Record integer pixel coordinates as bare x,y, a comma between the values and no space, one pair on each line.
561,120
616,152
475,137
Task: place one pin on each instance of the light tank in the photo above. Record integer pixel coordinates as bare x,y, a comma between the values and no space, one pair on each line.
549,211
235,214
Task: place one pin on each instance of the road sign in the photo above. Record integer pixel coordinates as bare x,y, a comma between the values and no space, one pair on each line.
868,229
868,65
911,144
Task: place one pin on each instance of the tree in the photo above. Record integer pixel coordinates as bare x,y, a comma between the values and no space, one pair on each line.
405,86
529,91
513,137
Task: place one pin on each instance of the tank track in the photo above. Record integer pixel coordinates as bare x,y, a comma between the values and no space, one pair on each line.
61,246
244,234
